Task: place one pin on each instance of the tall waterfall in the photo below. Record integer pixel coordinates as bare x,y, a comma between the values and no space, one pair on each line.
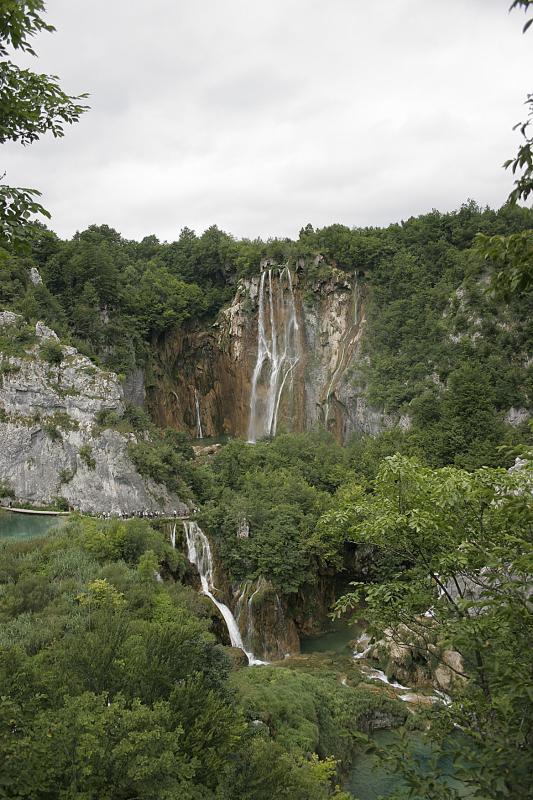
199,432
199,554
278,350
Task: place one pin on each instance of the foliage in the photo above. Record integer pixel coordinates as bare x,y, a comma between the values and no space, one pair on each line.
456,559
165,457
280,488
86,454
31,105
6,490
113,684
16,339
311,712
51,351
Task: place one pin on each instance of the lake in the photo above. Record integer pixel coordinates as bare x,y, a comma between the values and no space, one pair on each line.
16,527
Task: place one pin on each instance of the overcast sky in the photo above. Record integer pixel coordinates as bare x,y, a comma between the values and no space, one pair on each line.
263,115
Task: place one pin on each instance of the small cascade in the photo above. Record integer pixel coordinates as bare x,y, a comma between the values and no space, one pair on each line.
173,536
199,432
244,610
199,554
278,351
345,351
372,673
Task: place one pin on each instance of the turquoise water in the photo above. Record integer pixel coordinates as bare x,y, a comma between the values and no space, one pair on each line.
369,779
336,639
14,527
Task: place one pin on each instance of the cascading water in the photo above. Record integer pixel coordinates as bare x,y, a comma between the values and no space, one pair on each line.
345,351
199,432
199,554
278,351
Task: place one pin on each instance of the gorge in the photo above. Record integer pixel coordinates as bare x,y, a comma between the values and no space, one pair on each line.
299,434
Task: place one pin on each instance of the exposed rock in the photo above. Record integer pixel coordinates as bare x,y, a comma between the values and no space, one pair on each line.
516,416
243,529
35,276
134,390
216,366
265,625
206,450
416,661
44,332
8,318
49,415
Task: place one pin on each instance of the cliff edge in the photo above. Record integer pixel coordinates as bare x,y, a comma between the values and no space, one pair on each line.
52,440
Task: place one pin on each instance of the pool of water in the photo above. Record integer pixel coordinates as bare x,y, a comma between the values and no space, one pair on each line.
337,638
370,780
14,527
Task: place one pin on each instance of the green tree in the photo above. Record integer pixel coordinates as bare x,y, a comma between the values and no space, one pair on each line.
31,105
456,557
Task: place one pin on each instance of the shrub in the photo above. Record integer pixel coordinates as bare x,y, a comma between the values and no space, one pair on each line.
6,490
66,475
86,454
60,503
51,351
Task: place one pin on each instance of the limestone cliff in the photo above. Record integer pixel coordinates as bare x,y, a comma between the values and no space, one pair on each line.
285,355
50,442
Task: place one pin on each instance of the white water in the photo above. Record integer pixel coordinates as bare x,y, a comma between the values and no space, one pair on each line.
173,536
278,351
344,352
199,554
199,433
364,641
410,695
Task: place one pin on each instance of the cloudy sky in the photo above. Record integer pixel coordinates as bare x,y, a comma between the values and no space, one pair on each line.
263,115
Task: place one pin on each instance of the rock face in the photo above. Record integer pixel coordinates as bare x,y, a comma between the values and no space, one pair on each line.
310,339
264,623
50,442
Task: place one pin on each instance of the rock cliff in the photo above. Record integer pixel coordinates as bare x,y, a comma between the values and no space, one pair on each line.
51,443
285,355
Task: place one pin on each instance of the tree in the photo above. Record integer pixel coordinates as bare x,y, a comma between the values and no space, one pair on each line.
455,556
510,256
31,105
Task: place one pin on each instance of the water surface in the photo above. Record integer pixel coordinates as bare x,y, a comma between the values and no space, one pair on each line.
337,638
16,527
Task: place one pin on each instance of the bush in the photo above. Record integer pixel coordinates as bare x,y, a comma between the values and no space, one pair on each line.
60,503
6,490
86,454
51,351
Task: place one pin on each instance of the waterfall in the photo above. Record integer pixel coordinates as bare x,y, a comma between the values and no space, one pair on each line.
278,351
199,554
199,433
244,610
345,351
173,536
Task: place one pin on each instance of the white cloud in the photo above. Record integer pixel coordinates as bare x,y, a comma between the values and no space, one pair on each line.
263,116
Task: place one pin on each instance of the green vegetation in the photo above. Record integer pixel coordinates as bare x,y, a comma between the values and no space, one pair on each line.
86,454
16,340
460,544
113,684
51,351
312,712
280,488
31,105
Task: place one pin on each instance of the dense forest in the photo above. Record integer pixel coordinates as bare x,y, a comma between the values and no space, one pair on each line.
125,673
120,678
